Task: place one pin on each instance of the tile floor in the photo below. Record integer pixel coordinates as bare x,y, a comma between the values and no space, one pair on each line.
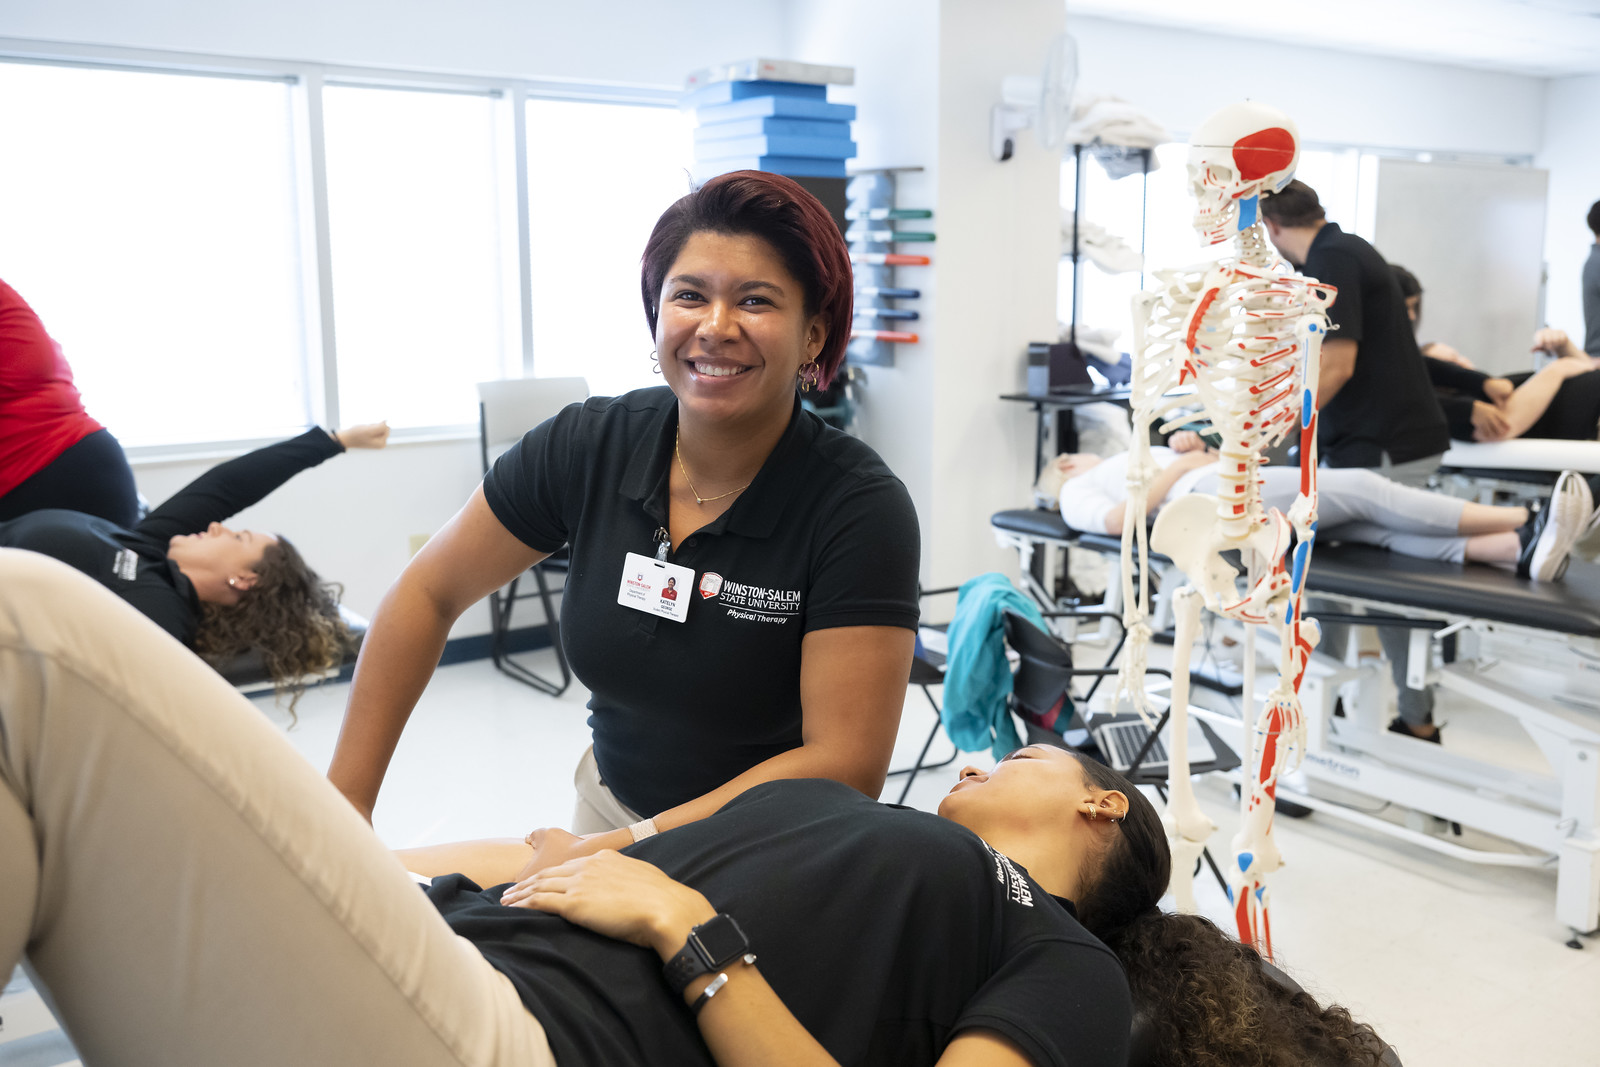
1456,965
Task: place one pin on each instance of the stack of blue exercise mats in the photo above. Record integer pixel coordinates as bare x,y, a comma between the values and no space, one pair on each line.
781,127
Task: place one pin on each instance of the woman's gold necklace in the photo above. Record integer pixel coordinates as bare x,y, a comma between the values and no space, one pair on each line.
698,499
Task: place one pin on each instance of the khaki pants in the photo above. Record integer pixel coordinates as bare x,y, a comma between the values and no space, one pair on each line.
597,809
186,888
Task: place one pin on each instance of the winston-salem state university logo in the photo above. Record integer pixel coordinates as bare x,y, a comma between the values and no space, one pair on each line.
752,603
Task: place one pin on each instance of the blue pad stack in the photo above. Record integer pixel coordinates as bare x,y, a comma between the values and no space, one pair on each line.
781,127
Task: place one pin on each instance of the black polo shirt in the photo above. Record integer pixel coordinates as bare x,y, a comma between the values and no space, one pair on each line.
825,536
1388,405
886,931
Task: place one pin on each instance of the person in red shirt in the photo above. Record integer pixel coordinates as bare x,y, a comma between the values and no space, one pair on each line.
52,454
671,591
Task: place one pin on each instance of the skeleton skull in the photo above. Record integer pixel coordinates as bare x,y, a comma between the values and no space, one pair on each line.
1234,156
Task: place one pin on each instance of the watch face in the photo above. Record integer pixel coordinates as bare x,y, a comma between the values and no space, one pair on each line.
719,940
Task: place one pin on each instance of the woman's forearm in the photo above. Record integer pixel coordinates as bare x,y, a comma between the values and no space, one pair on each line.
745,1023
397,659
807,761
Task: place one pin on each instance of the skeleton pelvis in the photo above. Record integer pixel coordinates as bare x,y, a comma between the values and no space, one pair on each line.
1187,532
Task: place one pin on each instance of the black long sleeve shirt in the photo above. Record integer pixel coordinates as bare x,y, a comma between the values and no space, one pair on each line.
133,562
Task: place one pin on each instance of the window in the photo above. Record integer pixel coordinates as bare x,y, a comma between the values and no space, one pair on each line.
424,306
150,219
590,215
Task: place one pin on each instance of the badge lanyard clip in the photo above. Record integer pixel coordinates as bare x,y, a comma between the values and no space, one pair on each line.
663,541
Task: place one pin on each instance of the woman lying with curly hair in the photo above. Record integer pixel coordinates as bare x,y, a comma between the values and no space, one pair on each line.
218,590
187,890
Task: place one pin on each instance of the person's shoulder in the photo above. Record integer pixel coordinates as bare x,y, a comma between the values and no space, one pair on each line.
846,457
604,416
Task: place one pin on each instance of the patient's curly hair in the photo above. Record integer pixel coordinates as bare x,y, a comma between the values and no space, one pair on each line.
291,616
1201,996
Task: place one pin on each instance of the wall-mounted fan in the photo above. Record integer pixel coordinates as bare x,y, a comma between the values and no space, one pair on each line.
1045,102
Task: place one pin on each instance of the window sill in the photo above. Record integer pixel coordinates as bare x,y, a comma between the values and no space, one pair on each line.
150,456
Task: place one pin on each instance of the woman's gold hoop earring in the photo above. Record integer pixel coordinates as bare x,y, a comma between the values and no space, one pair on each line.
810,375
656,360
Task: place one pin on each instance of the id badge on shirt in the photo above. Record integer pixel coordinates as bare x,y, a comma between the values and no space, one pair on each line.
655,587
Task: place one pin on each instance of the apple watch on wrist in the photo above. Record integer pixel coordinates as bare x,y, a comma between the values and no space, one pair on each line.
712,946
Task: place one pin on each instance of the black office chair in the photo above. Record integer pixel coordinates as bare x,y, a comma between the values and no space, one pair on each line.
507,410
1041,690
927,671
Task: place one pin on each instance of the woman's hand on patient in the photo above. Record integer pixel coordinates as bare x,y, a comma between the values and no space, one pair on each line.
553,847
617,896
1498,390
1488,424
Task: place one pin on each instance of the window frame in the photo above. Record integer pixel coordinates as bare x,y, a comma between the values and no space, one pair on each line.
307,80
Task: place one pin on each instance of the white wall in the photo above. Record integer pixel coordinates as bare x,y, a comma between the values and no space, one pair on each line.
927,73
1572,155
1180,77
618,40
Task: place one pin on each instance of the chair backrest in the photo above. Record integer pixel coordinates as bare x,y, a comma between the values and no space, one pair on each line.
510,408
1046,665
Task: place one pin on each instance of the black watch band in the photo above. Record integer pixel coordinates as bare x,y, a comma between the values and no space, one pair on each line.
712,946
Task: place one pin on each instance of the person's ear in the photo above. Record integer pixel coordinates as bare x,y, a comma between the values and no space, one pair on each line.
816,336
244,581
1273,229
1111,805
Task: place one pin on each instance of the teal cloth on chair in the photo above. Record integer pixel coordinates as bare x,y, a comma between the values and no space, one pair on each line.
977,677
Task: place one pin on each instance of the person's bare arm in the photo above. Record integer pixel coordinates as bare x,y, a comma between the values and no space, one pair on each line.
852,687
1338,364
472,555
1529,401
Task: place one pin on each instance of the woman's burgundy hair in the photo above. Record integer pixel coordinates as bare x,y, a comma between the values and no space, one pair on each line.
781,213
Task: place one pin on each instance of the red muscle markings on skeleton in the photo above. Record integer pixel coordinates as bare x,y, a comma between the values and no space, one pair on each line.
1260,326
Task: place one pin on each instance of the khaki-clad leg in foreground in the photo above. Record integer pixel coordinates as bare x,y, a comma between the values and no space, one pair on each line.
187,888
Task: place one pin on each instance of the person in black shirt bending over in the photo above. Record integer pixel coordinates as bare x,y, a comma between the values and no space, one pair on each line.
218,590
793,547
257,920
1377,404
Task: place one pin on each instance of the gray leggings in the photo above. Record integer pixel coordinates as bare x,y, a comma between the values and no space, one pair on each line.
1356,504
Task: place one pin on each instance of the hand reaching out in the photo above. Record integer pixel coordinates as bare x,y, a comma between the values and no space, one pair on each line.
367,435
1186,441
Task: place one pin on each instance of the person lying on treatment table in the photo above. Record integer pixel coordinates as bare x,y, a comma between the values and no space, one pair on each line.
1353,504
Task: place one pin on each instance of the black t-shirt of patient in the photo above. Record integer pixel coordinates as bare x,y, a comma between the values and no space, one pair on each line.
887,931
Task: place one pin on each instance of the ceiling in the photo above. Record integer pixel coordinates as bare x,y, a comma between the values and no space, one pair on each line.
1544,38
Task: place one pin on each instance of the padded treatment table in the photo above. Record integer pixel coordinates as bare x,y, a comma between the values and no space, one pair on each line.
1524,454
1521,470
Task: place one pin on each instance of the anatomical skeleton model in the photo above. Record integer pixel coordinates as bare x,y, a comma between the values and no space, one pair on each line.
1245,332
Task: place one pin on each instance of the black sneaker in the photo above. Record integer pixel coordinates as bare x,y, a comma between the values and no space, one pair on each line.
1398,726
1556,528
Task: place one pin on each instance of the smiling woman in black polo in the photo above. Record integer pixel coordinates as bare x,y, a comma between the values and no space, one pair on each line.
793,547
